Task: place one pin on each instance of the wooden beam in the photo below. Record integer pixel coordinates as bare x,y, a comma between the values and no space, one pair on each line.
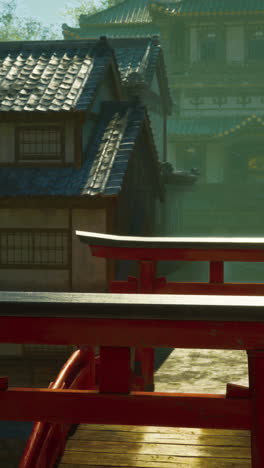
138,333
138,408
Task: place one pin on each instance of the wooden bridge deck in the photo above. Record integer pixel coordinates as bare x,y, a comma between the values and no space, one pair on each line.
101,446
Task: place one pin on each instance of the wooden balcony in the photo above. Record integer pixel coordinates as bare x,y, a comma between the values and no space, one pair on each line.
104,446
113,392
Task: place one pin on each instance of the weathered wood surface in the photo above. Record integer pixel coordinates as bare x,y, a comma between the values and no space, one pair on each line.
132,306
155,447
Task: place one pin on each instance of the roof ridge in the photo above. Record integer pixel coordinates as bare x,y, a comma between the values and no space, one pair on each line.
98,13
89,19
209,7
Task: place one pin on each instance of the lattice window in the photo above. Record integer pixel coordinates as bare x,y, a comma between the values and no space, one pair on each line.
256,45
39,144
28,248
208,45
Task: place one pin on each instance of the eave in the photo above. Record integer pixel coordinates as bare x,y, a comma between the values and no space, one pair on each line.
175,12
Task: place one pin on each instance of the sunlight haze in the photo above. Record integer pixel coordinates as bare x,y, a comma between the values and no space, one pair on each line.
48,11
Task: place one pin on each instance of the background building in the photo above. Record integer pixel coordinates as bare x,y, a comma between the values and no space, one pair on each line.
214,55
77,153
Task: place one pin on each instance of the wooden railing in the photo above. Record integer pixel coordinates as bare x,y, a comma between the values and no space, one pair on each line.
47,440
119,323
128,328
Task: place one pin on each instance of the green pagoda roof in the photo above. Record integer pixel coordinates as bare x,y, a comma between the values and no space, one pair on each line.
131,18
211,127
208,7
127,12
110,30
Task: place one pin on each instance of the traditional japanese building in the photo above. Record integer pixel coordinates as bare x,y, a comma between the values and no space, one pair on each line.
214,58
130,18
214,55
76,153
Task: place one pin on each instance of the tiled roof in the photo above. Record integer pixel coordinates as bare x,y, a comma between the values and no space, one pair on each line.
217,127
208,7
138,60
127,12
103,170
136,56
50,75
111,30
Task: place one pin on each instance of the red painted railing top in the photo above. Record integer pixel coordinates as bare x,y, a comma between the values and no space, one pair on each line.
109,240
174,248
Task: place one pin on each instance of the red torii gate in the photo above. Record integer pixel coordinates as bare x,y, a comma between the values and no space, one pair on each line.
118,323
147,251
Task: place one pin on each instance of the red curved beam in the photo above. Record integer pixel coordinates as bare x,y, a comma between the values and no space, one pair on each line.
47,441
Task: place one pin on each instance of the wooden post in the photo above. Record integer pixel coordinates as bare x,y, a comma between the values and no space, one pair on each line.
147,276
256,386
115,370
216,272
145,356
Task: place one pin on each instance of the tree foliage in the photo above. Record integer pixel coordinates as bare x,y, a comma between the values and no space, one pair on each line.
13,28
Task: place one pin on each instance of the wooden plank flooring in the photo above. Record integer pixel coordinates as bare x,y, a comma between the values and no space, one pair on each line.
101,446
200,371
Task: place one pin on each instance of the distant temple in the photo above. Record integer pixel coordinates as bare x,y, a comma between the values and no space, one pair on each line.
214,55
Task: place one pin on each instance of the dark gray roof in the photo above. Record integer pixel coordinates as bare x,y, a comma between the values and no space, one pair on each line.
103,169
137,58
51,75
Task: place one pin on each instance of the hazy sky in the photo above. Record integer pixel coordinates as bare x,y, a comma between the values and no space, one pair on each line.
48,11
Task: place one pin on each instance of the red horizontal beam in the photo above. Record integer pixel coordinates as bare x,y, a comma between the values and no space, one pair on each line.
158,409
134,333
227,289
214,289
216,255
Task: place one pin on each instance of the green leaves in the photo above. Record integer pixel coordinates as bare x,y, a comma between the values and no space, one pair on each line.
86,7
13,28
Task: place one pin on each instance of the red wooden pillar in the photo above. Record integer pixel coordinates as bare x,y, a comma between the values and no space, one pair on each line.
216,272
144,357
147,276
256,387
90,358
115,370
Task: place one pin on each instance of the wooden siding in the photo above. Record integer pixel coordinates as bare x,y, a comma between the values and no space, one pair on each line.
88,273
34,218
107,91
70,144
136,209
7,143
